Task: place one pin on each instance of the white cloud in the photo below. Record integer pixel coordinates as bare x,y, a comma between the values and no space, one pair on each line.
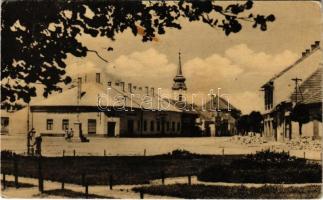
148,67
239,72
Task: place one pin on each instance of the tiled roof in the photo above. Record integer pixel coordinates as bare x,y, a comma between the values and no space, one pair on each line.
308,55
92,91
219,103
310,89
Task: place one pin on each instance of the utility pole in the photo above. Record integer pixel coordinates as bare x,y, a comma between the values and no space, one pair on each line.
297,80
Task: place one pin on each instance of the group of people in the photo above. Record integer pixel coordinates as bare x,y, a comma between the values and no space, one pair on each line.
34,139
69,134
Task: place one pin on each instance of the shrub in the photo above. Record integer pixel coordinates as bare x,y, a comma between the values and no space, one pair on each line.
264,167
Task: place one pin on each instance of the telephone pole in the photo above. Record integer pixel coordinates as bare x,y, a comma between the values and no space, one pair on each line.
297,80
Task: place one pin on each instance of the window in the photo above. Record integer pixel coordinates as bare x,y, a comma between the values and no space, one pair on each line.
152,126
91,125
158,125
65,124
178,126
145,125
109,83
97,78
138,125
50,123
167,126
173,126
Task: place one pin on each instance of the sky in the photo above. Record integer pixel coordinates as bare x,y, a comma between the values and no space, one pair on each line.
239,64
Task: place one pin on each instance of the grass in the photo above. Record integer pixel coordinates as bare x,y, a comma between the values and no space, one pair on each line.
124,169
265,167
232,192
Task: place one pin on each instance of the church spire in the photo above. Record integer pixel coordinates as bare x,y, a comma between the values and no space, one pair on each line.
179,79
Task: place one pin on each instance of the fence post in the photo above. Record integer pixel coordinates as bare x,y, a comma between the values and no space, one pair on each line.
74,152
304,154
104,153
4,180
15,168
144,152
63,185
223,151
111,182
189,180
40,176
141,194
163,177
86,190
63,152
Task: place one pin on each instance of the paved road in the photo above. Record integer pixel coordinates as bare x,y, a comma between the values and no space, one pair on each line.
54,146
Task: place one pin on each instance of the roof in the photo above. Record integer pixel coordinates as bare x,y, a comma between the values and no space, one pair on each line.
93,93
310,90
304,56
183,105
219,103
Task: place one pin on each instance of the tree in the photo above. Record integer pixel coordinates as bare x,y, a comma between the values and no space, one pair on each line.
301,115
37,36
243,124
255,118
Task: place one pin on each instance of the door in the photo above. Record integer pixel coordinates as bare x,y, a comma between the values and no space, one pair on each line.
130,127
111,129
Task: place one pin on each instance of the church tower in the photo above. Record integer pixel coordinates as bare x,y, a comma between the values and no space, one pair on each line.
179,79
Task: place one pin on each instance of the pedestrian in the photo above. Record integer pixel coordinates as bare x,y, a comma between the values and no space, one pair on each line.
38,141
30,136
66,134
71,133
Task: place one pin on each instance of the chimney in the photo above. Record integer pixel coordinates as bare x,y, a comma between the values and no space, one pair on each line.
152,91
147,90
307,51
130,87
122,85
303,54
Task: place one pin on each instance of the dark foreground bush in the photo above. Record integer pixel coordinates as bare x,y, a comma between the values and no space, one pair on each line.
232,192
264,167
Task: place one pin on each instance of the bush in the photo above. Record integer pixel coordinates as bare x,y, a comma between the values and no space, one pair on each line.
6,154
264,167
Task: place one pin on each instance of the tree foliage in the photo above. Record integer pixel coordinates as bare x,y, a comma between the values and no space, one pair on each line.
37,36
250,123
300,114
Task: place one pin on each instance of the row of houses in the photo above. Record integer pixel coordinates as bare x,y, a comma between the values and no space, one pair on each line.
299,84
97,106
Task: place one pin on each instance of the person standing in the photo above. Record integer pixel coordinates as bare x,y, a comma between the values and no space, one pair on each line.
30,136
38,141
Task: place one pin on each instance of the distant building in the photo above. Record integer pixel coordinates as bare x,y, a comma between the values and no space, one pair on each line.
219,117
278,90
189,114
122,111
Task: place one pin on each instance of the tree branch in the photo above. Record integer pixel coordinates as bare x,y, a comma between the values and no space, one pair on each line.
93,51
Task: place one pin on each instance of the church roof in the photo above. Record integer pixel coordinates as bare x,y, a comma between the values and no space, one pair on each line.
179,79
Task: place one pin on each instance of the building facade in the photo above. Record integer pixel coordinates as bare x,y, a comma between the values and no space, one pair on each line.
278,104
